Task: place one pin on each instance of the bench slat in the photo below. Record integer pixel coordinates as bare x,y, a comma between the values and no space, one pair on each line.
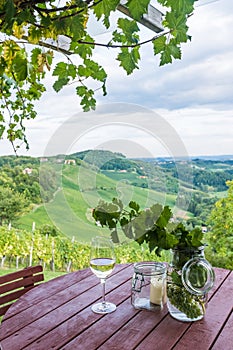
15,284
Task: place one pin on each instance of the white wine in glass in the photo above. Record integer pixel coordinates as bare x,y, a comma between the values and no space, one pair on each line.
102,262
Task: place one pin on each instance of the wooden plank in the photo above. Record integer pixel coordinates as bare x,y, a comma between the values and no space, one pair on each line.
78,329
77,297
220,277
165,335
9,298
22,273
95,335
14,285
225,338
219,309
134,331
24,283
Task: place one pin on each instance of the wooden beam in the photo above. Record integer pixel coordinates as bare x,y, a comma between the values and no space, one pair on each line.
151,20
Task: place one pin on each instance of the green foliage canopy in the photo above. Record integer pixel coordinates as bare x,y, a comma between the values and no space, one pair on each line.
31,33
220,236
12,205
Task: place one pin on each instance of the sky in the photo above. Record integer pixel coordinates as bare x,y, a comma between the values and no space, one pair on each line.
184,108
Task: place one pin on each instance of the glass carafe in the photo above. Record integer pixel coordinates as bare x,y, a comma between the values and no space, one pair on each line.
190,278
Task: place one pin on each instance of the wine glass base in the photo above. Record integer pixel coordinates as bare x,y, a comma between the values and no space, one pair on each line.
103,308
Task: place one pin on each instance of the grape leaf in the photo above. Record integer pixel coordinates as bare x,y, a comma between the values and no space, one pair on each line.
159,44
60,83
164,217
127,59
104,8
9,13
138,8
20,67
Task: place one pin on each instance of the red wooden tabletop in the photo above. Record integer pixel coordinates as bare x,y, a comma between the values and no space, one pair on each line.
57,315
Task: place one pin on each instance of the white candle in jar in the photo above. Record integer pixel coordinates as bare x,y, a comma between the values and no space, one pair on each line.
156,290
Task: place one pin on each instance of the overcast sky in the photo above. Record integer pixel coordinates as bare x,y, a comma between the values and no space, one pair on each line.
182,108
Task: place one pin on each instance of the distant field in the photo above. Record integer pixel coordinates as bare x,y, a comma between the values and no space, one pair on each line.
125,176
219,194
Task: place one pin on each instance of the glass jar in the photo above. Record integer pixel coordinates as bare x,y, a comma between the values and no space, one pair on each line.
190,278
149,286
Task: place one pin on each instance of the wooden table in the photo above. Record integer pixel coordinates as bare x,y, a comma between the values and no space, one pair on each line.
57,315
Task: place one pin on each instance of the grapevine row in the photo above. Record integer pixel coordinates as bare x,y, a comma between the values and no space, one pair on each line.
21,248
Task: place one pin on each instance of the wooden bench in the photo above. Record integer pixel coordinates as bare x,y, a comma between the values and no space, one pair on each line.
15,284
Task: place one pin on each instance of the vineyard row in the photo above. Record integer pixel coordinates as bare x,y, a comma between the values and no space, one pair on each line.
21,248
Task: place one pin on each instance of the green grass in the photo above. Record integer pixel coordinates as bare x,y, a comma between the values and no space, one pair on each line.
39,216
219,195
119,176
82,188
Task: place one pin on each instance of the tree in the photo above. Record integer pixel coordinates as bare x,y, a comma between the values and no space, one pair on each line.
32,32
48,182
12,205
221,235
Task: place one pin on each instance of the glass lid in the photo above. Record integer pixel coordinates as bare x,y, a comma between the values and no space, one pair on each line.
149,268
198,276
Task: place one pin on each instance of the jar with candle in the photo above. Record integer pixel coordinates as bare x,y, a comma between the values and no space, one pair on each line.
149,286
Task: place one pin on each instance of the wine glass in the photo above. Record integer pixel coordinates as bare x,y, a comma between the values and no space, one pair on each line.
102,262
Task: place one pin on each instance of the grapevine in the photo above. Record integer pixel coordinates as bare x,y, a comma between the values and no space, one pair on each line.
65,253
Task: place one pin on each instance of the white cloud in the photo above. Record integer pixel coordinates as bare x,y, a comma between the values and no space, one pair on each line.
203,76
203,131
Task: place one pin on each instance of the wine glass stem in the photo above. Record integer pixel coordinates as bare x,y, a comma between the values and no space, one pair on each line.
102,281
